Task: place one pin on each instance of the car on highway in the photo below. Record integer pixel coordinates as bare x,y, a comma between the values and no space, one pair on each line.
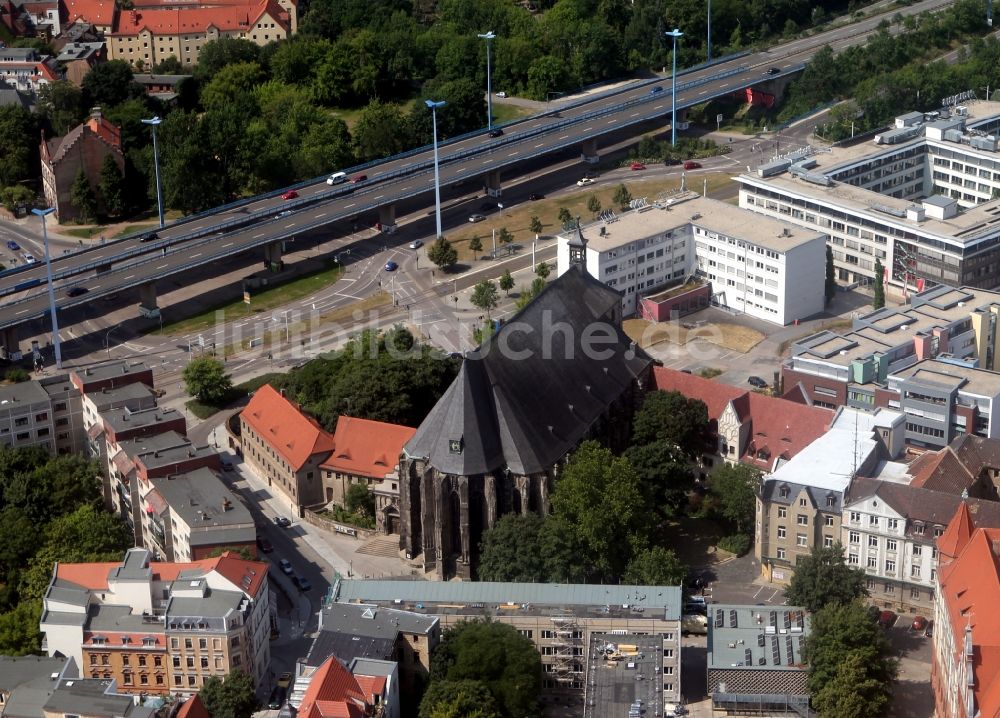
28,258
302,582
149,237
501,94
337,178
286,566
496,132
535,196
358,178
636,166
656,90
692,165
264,545
13,246
476,217
290,194
76,291
391,266
416,244
584,181
283,213
282,522
772,71
756,382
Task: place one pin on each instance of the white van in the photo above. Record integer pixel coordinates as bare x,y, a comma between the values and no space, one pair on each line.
694,623
337,178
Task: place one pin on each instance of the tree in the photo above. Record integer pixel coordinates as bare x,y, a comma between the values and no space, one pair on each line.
511,550
83,199
110,83
61,103
458,699
664,473
217,54
443,254
672,417
823,578
831,282
593,205
505,236
19,538
475,246
564,216
18,145
19,634
843,638
360,500
484,296
536,225
656,566
543,270
506,282
205,378
112,187
622,196
536,288
736,488
233,697
497,656
879,300
379,132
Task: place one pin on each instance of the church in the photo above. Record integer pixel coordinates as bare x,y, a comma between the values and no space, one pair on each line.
557,373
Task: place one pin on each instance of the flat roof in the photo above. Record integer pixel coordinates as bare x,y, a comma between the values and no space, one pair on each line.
215,604
119,619
25,393
30,682
135,391
692,209
173,455
756,637
89,697
980,382
202,500
123,418
111,370
614,685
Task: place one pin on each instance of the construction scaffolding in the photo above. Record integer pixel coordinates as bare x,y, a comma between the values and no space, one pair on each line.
567,650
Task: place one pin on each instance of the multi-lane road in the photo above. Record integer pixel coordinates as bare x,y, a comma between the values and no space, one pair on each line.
114,266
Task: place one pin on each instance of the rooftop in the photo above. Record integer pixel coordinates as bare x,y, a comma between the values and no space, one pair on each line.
283,426
367,448
612,691
214,604
756,637
123,419
111,370
23,394
125,395
93,698
30,680
948,376
202,500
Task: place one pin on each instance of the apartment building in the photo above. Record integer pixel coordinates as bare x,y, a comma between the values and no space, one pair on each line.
367,452
770,269
559,619
111,375
285,447
27,681
361,687
25,70
800,505
965,666
26,417
917,198
969,466
160,627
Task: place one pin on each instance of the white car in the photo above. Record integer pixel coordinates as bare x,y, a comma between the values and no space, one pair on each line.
28,258
286,567
501,94
584,182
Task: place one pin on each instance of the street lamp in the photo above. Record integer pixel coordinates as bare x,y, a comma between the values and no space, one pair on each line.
154,123
489,36
52,292
675,33
437,178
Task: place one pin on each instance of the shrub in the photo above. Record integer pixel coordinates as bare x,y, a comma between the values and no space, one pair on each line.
738,544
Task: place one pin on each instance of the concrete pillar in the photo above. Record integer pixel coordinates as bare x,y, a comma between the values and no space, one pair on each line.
272,256
10,344
588,152
492,184
103,269
147,297
387,218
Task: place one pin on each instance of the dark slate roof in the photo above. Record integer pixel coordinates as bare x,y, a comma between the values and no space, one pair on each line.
527,413
770,492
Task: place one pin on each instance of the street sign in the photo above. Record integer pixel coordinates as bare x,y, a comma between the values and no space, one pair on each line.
718,118
246,297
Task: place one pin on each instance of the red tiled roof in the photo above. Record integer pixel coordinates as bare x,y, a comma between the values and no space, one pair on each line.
942,471
957,535
367,448
97,12
294,435
235,569
715,394
114,639
371,685
93,576
176,21
334,692
193,708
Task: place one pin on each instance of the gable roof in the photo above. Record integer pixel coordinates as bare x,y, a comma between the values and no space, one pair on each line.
98,12
957,535
176,21
528,395
333,693
367,448
942,471
193,708
293,434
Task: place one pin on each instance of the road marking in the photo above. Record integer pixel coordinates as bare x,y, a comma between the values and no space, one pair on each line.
288,226
634,114
515,152
163,266
228,244
195,256
321,214
23,311
564,137
611,121
379,197
703,92
128,277
658,107
539,145
259,234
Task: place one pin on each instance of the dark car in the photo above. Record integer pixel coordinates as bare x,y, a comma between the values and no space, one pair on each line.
264,545
535,196
277,697
302,582
496,132
773,71
656,90
757,382
358,178
282,522
391,266
930,629
149,237
76,291
13,246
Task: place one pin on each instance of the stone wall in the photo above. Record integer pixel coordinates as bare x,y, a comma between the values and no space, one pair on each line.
314,519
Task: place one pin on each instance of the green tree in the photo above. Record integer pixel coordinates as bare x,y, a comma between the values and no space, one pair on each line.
233,697
61,103
831,282
823,577
511,550
536,225
656,566
83,199
536,288
169,66
665,475
564,216
475,246
484,296
543,270
622,196
234,86
458,699
443,254
16,195
879,300
360,500
19,634
110,83
225,51
506,282
206,379
19,539
672,417
736,489
112,187
380,131
495,655
593,205
854,692
505,236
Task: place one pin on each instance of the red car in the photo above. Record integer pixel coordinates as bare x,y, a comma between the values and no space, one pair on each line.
358,178
886,619
290,194
692,165
919,623
637,166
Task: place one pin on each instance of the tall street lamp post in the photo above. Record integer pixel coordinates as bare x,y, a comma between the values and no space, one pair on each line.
437,178
52,292
709,43
154,123
675,33
489,37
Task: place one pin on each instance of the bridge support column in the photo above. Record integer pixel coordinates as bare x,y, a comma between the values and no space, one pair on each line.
147,301
588,152
387,218
10,344
272,256
492,184
103,269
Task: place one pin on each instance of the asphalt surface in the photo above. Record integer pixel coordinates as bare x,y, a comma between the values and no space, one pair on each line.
130,262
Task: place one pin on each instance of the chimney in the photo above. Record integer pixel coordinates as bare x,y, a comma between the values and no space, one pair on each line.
227,504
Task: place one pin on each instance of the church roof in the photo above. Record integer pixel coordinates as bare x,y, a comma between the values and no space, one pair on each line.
528,395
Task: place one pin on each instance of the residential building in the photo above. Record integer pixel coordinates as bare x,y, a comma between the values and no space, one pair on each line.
800,505
491,445
746,426
560,619
192,708
285,447
364,688
111,375
27,682
160,627
367,452
135,396
81,149
969,466
43,17
42,413
92,698
769,269
25,70
162,87
755,661
965,669
890,531
101,14
77,58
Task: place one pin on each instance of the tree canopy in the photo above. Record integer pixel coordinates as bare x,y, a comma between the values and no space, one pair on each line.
229,697
511,550
823,578
735,486
672,417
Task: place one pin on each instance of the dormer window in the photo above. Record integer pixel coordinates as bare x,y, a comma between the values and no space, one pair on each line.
783,492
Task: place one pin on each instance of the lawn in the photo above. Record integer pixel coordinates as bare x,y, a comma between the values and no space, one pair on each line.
509,113
731,336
